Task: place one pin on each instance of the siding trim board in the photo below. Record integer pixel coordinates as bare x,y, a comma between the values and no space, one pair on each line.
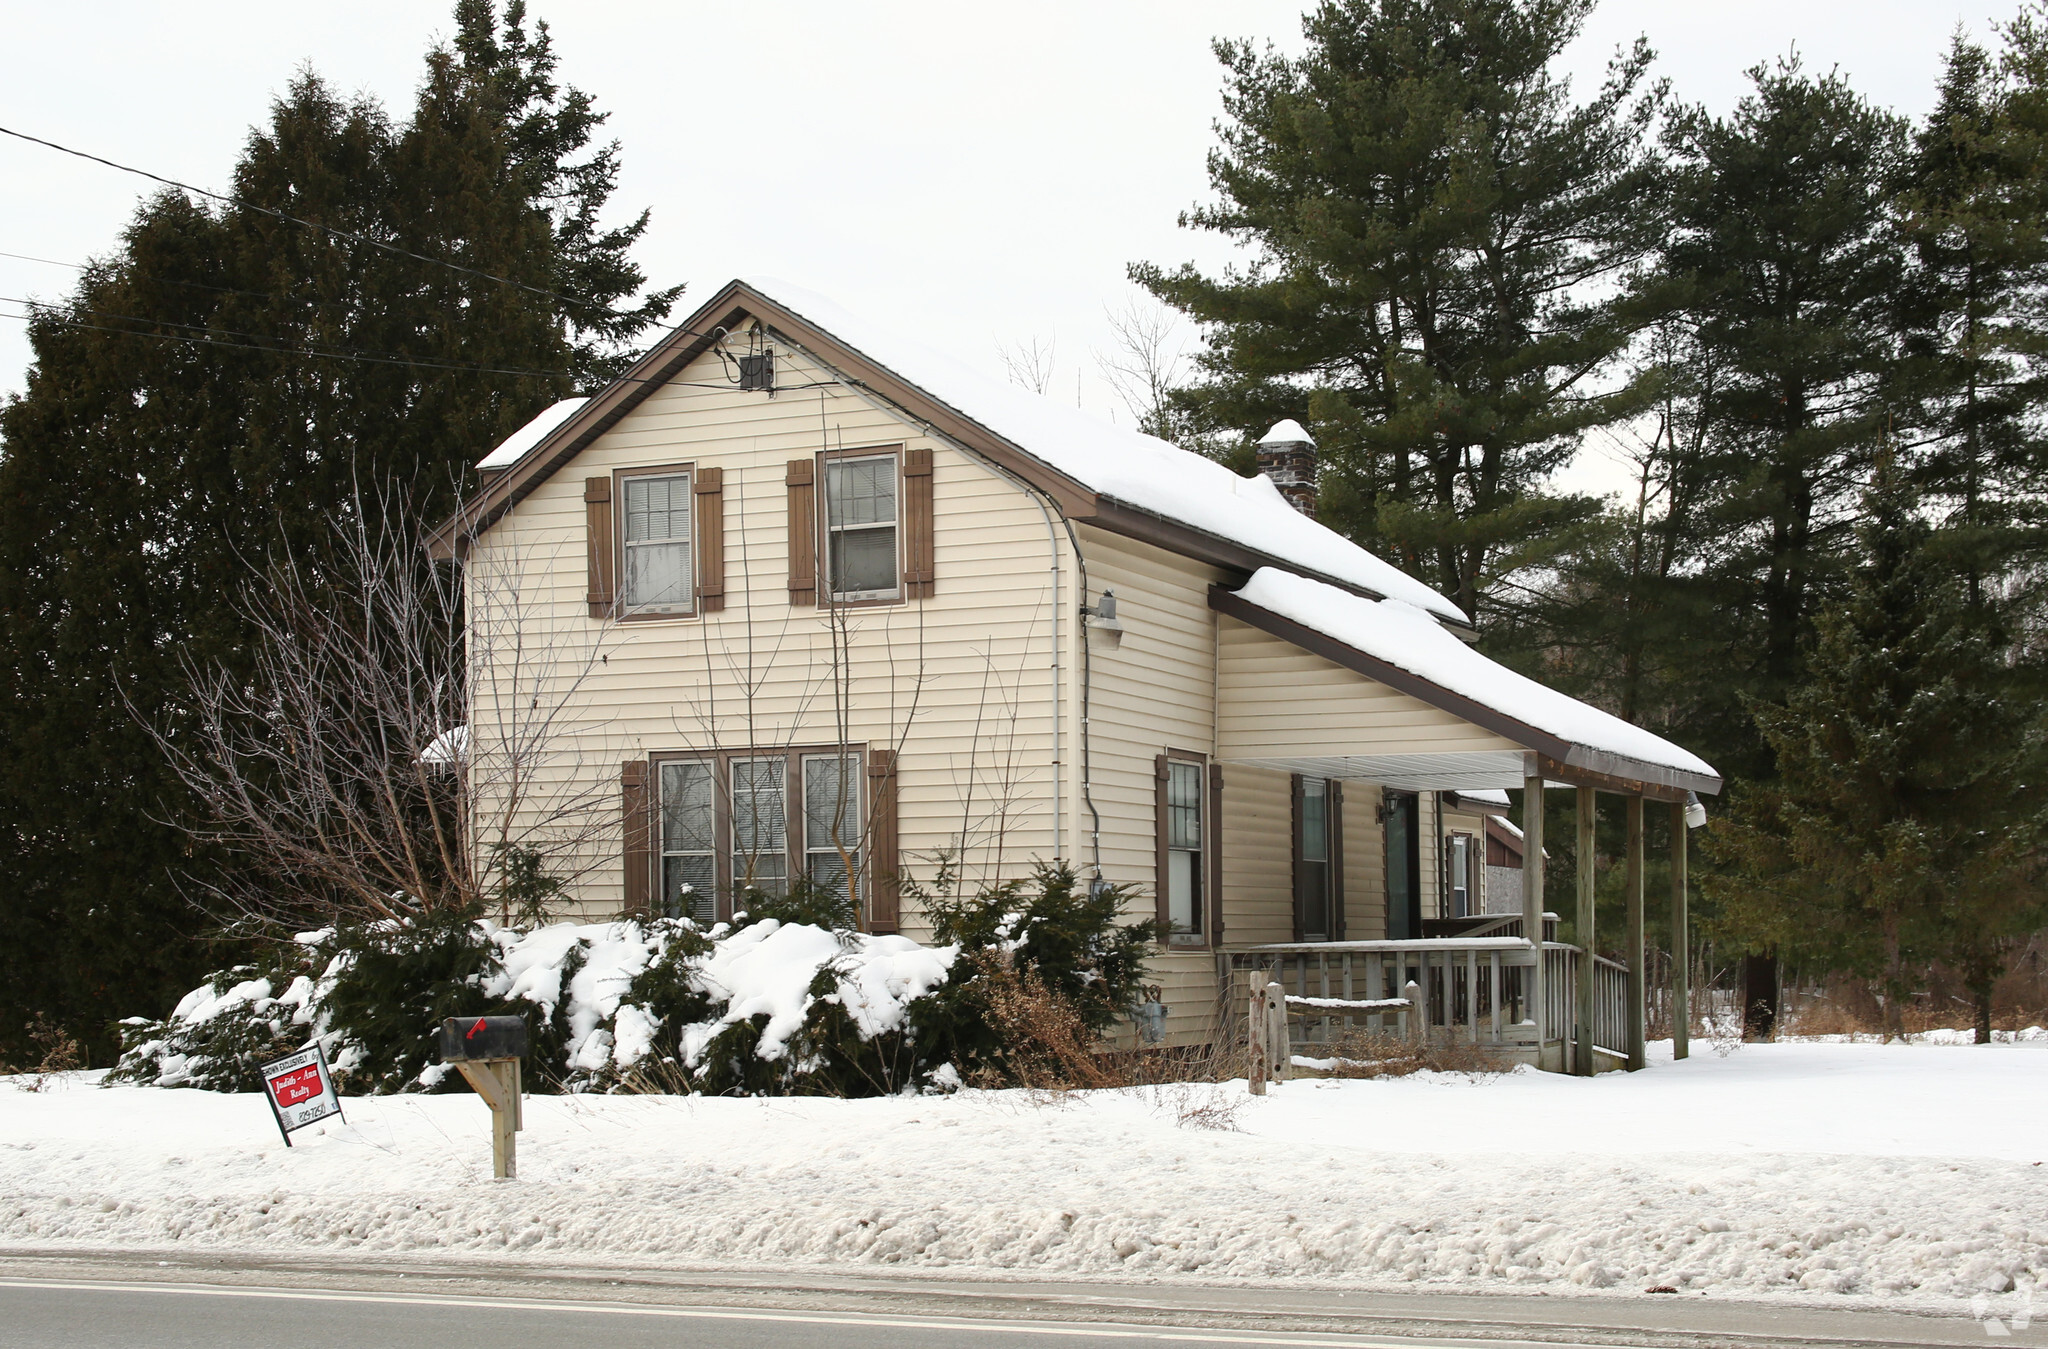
1571,763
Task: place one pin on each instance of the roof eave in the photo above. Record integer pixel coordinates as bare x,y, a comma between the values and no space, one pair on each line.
1555,756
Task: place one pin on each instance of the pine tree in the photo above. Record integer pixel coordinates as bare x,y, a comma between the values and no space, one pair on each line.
1784,234
1975,337
1905,822
219,388
1444,241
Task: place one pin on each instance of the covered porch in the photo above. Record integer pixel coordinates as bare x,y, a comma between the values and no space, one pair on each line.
1321,684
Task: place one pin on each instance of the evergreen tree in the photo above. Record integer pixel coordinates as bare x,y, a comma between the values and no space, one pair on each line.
1905,822
218,388
1444,241
1784,237
1974,212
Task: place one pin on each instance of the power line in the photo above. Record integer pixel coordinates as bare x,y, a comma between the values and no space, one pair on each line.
296,220
40,312
129,273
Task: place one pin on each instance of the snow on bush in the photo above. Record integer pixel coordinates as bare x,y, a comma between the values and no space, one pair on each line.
763,1007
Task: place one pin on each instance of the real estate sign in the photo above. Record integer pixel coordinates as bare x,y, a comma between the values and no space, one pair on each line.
300,1090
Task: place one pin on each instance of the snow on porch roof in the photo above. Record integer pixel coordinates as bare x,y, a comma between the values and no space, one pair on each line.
1399,635
1116,462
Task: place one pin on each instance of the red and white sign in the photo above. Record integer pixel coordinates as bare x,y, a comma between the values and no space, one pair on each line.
300,1090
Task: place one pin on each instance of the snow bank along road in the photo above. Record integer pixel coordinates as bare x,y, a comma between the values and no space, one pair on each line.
1907,1176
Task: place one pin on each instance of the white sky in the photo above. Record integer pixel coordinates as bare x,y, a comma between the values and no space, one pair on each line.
984,173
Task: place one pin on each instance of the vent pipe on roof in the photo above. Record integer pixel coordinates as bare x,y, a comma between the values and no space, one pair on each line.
1287,456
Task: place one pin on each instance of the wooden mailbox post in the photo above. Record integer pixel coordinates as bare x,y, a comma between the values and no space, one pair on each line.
486,1050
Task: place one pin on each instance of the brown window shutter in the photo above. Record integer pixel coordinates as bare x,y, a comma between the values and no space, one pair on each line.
1336,798
885,886
1212,840
710,525
597,524
917,524
1294,793
803,533
1162,910
637,816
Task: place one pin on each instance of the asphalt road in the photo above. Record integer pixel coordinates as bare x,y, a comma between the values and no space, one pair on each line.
73,1315
227,1300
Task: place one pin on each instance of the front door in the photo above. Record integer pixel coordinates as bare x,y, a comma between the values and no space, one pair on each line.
1404,867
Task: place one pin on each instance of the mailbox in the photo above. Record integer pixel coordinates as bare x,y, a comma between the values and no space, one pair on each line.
483,1037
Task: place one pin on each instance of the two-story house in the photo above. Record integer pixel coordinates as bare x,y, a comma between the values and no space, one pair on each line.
861,607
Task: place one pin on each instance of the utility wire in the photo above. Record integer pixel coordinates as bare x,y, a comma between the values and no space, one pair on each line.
39,312
297,220
129,273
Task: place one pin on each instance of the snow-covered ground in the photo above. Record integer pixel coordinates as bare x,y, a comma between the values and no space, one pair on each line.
1908,1175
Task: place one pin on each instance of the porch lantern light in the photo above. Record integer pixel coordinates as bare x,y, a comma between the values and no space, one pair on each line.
1695,812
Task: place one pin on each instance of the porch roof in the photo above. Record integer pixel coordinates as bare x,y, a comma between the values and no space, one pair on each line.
1399,645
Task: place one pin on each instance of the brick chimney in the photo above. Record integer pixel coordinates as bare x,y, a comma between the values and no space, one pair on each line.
1287,455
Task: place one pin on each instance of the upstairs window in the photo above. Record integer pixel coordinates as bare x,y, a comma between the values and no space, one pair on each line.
860,527
658,575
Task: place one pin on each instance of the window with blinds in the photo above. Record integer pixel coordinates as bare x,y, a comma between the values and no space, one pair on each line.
1184,849
689,840
656,535
760,825
860,527
832,826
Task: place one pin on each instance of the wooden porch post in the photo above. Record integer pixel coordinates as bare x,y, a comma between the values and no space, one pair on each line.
1532,903
1636,1056
1681,954
1588,813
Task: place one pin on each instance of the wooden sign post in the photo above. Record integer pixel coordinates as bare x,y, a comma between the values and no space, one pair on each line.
486,1050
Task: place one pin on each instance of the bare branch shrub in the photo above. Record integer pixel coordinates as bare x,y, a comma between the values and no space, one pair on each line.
1146,365
337,762
1030,363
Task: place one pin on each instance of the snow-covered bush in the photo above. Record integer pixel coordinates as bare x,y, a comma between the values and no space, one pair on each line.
769,1004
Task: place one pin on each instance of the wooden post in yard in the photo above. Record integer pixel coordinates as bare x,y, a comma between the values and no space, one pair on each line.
1532,903
1589,814
1681,953
1282,1050
1636,1058
1257,1069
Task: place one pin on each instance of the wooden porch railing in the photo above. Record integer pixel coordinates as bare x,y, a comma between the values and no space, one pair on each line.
1472,988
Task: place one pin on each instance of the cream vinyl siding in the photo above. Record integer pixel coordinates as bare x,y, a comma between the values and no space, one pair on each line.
1280,701
960,682
1258,855
1151,693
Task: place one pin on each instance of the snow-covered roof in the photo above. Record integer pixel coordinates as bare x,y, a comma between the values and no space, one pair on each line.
1485,796
1116,462
533,433
1398,634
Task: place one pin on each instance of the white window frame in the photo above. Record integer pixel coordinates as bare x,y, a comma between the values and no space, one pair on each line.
622,492
894,525
1196,932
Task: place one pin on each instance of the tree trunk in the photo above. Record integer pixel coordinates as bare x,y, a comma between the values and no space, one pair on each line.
1760,996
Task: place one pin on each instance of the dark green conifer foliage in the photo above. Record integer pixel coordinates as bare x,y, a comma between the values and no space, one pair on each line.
1905,821
1784,236
178,425
1444,242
